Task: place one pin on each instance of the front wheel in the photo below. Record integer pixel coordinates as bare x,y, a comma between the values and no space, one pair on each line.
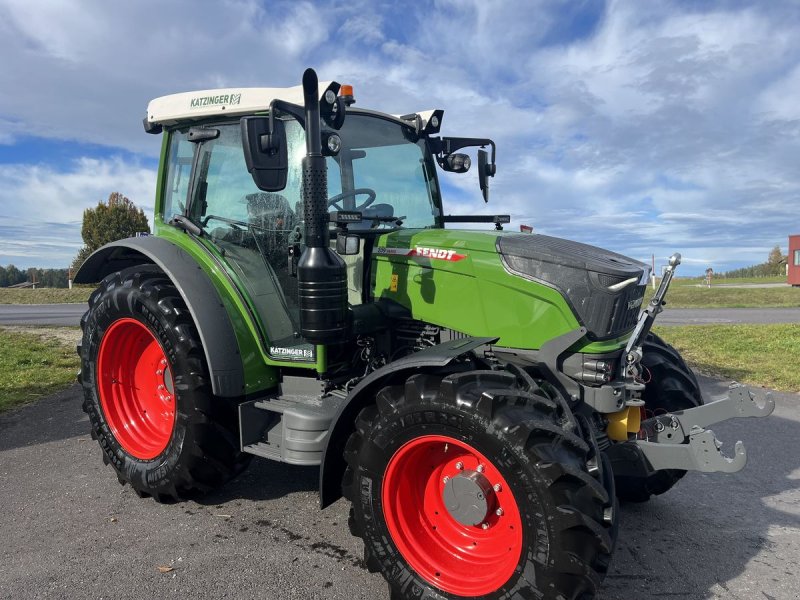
147,391
471,485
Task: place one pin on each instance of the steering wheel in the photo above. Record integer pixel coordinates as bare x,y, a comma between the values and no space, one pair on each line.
334,200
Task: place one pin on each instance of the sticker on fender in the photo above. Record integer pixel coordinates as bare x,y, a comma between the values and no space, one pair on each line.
423,252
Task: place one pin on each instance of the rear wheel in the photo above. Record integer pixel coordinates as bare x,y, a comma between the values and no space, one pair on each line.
147,391
671,386
475,484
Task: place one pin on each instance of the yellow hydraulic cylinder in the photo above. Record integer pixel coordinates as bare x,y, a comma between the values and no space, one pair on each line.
621,423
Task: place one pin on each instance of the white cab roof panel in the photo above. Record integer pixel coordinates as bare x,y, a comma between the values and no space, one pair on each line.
203,104
190,106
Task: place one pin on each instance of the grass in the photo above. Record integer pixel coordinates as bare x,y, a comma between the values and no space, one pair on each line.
725,297
44,295
681,281
760,355
34,365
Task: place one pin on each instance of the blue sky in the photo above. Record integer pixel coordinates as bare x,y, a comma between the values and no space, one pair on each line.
642,127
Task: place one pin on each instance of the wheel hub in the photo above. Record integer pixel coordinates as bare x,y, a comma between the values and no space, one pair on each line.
468,497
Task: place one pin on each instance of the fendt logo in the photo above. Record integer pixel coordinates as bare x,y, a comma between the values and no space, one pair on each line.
220,99
423,252
438,253
635,303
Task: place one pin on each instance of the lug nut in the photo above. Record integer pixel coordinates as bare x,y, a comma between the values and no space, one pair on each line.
160,372
499,512
164,361
460,466
481,468
446,479
161,387
497,487
485,526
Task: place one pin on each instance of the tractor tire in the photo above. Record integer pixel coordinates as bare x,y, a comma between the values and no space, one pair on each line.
147,390
672,386
477,484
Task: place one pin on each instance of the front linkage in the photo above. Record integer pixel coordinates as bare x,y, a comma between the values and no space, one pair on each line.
679,440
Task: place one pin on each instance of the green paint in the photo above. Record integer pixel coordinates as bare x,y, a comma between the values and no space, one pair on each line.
474,295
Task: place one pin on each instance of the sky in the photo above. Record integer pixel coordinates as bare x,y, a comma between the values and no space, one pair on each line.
641,127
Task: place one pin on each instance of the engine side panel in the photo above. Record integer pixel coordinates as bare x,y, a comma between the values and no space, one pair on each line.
455,279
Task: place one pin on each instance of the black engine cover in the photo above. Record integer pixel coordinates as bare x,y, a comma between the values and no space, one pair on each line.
582,274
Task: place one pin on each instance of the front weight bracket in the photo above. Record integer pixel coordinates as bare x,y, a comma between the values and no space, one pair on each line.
669,446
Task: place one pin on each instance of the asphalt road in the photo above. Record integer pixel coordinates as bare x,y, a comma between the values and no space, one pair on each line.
727,316
69,530
70,314
41,314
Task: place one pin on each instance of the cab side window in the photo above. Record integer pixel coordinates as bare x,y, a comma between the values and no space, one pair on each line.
179,171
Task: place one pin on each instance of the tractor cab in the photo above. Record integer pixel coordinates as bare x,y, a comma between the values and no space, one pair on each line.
380,177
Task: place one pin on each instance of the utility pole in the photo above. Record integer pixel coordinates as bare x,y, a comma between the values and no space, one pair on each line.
653,270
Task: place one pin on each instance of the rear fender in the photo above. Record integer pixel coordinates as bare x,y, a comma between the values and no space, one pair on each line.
197,290
433,358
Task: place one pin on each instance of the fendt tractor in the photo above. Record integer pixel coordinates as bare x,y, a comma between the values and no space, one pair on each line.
482,398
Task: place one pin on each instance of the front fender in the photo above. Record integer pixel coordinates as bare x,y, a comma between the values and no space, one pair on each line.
198,292
436,357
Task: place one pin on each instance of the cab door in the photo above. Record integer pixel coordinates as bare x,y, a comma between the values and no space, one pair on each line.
252,231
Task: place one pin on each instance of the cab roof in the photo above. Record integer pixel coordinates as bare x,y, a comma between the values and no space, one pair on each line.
202,104
225,102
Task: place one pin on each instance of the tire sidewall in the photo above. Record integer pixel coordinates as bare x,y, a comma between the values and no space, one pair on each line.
130,302
389,434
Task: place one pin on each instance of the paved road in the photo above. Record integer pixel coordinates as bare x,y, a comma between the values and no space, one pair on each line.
70,530
70,314
723,316
41,314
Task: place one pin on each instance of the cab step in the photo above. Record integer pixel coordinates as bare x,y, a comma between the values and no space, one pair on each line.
291,427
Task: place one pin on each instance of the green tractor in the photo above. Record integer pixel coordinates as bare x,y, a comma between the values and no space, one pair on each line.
481,398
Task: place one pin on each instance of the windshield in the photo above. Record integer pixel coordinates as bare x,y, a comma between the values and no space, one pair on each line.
381,171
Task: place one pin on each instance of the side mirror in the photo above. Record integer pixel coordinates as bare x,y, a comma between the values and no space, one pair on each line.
485,170
265,152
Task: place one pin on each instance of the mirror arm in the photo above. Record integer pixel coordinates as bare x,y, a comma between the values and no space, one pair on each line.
298,112
448,145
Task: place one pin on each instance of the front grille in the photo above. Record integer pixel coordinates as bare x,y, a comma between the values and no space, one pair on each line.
625,312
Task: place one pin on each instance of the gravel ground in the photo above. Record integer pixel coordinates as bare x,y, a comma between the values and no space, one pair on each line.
71,531
69,336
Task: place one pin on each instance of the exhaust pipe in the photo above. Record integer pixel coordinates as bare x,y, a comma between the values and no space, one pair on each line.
321,273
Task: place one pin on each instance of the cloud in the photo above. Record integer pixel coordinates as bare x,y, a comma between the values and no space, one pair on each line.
641,127
41,208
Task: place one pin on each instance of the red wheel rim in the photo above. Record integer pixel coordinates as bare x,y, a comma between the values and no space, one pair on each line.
136,389
460,559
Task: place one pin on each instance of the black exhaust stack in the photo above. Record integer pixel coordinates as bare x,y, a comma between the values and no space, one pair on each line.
321,273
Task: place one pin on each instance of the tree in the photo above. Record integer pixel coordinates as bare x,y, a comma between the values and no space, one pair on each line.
14,275
109,221
776,260
3,277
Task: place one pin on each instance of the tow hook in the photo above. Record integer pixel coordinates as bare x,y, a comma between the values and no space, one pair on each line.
679,440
